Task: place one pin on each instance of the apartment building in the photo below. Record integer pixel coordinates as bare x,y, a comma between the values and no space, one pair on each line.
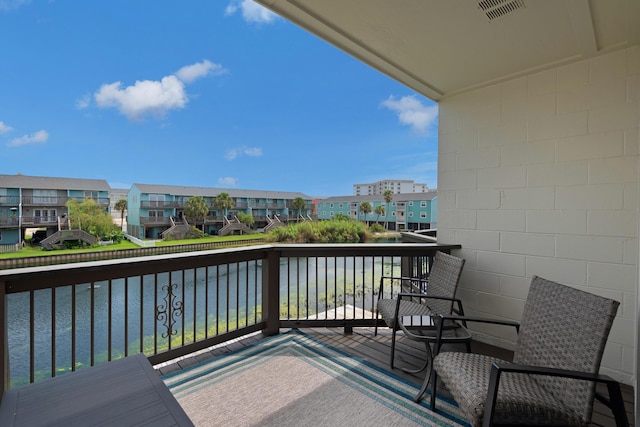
40,202
153,209
406,211
398,186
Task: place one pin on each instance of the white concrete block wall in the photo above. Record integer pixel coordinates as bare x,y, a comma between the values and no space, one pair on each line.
539,176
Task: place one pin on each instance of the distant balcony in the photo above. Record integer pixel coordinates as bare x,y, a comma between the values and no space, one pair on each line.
161,204
265,206
11,222
9,200
102,201
45,201
48,201
155,220
39,220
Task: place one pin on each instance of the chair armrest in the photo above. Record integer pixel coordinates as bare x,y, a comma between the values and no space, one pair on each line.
614,402
464,320
458,311
482,320
411,279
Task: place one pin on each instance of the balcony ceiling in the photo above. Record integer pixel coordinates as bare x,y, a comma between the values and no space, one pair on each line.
444,47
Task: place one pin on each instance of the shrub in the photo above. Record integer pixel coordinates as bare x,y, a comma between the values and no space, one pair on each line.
334,231
376,228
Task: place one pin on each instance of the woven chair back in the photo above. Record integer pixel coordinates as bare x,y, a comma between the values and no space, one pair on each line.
566,328
443,281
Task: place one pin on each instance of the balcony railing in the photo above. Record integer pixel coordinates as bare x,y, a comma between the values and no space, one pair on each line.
10,200
161,204
61,318
9,222
39,220
155,220
47,200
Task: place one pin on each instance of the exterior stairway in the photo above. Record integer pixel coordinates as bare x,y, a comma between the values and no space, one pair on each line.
60,236
177,230
234,224
273,223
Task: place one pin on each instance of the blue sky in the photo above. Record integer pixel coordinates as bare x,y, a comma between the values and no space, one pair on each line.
201,93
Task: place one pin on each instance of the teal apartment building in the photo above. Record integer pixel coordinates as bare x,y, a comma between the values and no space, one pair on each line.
40,202
408,211
153,209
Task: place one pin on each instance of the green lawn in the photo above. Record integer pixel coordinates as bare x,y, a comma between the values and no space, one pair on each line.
31,251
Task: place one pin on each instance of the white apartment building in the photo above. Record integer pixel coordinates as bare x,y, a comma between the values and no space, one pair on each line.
397,186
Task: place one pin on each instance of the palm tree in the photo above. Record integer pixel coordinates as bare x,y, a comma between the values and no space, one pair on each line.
121,205
224,201
388,197
196,207
298,204
380,211
365,208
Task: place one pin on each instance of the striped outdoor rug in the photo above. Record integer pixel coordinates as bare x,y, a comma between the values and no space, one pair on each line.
294,380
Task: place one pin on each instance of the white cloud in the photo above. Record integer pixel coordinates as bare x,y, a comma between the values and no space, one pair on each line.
233,153
39,137
147,97
4,128
152,97
252,12
191,73
413,113
228,181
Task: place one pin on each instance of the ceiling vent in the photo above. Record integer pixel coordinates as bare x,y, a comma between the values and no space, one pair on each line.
494,9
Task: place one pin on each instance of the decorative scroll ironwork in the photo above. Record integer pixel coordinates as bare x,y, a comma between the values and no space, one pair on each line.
170,311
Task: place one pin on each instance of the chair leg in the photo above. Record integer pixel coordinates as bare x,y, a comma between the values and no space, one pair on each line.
616,403
393,345
434,382
375,327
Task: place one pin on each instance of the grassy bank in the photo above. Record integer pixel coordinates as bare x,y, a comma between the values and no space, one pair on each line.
33,251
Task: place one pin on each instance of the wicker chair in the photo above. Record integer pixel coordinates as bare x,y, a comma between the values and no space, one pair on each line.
433,295
555,367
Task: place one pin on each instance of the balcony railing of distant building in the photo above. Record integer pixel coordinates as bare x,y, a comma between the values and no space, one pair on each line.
9,200
11,222
161,204
47,200
39,220
61,318
155,220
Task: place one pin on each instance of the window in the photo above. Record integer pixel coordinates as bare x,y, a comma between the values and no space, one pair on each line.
411,203
44,196
423,214
340,205
91,195
410,214
156,214
331,213
331,205
423,204
324,213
